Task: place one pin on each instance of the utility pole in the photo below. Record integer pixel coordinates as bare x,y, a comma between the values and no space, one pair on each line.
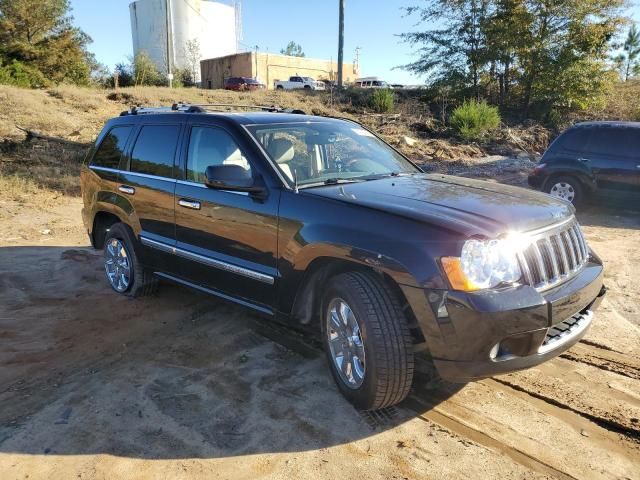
256,75
340,44
167,6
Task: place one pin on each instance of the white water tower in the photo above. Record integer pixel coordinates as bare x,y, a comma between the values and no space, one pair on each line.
162,28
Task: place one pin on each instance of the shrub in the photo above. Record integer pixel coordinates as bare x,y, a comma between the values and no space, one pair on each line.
382,100
474,119
20,75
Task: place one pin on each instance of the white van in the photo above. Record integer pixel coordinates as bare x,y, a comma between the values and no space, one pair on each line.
371,82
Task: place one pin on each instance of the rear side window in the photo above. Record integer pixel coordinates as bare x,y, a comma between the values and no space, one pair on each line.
621,142
110,150
154,150
210,146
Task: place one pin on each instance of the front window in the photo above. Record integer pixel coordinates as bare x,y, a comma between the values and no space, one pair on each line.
329,152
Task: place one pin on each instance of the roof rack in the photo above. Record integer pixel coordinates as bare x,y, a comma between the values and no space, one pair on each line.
204,107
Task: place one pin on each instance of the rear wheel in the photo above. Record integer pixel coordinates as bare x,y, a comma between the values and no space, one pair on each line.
566,188
279,87
124,272
367,341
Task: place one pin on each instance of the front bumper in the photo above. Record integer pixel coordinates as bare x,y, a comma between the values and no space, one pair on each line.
481,334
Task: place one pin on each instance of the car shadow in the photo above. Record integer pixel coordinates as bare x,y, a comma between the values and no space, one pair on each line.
177,375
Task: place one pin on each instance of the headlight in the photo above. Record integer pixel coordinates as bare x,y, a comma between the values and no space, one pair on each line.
483,264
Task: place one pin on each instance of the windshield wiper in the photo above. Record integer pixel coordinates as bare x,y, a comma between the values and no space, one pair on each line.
331,181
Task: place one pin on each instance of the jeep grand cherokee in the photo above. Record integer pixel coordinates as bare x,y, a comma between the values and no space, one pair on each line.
319,223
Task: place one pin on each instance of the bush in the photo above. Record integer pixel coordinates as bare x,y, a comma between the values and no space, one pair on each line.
474,119
382,100
20,75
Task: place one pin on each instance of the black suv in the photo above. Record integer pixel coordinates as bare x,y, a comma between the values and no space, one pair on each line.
319,223
593,159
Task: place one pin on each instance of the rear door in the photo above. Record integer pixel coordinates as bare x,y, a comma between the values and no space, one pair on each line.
612,154
149,183
226,240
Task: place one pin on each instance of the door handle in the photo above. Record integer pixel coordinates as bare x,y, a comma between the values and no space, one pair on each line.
127,190
584,160
189,204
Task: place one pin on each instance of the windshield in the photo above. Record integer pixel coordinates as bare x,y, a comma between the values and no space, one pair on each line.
329,152
308,79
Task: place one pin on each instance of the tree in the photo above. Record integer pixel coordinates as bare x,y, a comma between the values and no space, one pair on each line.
144,71
193,55
293,50
548,52
39,35
453,53
567,43
630,58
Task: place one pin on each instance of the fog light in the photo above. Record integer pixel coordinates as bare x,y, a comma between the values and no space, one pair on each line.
494,351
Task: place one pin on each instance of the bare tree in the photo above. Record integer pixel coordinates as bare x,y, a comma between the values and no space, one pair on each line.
192,54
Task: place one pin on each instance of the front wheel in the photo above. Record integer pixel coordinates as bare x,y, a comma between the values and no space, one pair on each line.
367,341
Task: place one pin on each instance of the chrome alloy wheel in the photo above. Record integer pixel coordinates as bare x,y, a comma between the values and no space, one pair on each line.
345,343
563,190
117,265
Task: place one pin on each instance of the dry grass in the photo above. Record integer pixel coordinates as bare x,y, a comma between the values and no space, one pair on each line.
623,103
45,169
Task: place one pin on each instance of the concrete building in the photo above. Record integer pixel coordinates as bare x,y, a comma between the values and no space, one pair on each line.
162,28
268,68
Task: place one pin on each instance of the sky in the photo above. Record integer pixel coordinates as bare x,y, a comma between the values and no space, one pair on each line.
271,24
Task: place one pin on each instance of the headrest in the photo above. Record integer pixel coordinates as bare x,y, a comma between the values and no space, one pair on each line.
281,150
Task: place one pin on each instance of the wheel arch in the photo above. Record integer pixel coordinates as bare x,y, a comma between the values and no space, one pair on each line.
306,307
585,180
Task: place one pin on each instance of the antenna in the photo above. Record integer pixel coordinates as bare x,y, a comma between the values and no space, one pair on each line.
356,61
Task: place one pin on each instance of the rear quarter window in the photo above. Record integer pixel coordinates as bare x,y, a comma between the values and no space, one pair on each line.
155,150
110,151
571,141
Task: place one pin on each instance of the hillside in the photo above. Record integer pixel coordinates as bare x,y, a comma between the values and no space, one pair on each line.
75,115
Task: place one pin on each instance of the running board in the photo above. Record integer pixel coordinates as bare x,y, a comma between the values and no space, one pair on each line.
215,293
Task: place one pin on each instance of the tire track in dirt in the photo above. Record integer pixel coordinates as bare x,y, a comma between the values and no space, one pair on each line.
464,430
603,419
604,360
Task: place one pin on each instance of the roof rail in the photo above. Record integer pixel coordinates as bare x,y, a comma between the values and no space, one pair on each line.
204,107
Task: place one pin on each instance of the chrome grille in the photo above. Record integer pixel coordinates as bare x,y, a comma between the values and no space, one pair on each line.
553,255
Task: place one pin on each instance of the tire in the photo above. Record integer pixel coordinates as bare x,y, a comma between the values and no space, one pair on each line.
566,187
383,376
279,87
307,87
119,244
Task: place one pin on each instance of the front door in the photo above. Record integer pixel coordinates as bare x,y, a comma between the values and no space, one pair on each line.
226,241
612,154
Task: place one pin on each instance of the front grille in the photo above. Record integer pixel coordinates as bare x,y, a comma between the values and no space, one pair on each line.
565,331
554,255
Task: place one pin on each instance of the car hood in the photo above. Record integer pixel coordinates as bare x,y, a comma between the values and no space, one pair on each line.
467,206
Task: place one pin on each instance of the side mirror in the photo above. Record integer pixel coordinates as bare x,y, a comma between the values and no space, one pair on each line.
233,178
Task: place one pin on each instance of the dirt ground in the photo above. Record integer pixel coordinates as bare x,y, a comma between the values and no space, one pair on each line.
94,385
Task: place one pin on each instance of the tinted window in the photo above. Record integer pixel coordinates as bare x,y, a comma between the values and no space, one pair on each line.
154,150
209,147
574,140
623,142
110,151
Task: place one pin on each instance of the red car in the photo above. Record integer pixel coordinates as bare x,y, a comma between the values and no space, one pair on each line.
241,84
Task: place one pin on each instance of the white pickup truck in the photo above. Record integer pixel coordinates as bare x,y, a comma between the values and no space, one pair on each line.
296,82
